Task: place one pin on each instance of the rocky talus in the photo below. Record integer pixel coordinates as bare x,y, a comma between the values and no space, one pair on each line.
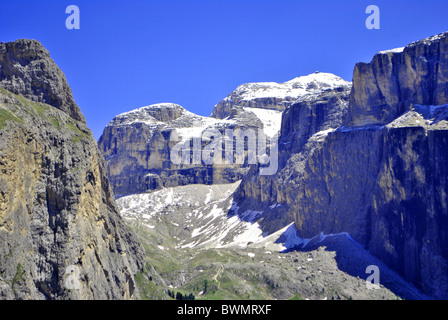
381,175
61,236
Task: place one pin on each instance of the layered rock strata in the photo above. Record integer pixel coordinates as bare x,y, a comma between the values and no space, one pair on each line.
381,176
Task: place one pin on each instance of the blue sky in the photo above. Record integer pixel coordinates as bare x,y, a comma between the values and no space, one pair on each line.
128,54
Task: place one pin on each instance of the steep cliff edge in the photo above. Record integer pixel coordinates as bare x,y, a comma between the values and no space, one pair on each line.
395,79
305,126
61,234
380,176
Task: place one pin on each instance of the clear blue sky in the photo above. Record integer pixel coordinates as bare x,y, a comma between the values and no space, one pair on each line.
128,54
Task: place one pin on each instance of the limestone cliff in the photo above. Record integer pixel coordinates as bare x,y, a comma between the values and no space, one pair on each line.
61,236
305,126
137,145
380,176
395,79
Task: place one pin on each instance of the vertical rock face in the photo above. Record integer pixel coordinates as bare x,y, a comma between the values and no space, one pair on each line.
27,69
408,209
382,175
385,186
137,146
61,235
314,114
395,79
305,126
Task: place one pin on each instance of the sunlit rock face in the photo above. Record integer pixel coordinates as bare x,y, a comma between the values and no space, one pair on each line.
61,236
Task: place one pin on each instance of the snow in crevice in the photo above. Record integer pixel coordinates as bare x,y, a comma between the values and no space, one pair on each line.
359,128
318,136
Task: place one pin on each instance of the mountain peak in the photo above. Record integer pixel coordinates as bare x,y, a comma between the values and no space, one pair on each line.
277,96
325,80
151,114
26,69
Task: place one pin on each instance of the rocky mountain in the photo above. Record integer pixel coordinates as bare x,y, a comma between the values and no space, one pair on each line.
276,96
361,180
138,145
397,79
380,174
27,69
61,235
362,171
304,130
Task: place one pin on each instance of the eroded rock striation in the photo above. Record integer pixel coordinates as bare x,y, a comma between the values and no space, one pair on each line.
61,236
396,79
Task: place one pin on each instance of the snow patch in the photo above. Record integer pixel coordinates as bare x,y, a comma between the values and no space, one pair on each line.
294,89
252,233
322,134
396,50
271,119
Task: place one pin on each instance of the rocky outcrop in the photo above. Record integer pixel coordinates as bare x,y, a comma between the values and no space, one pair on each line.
395,79
137,146
386,188
381,176
27,69
61,236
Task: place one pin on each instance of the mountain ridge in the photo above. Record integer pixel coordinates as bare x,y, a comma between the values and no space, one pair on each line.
357,159
276,96
351,189
26,68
